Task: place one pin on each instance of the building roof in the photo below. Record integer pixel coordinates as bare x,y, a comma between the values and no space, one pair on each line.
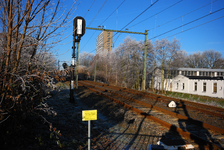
193,69
205,77
200,69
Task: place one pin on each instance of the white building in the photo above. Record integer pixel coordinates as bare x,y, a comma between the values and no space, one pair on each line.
207,82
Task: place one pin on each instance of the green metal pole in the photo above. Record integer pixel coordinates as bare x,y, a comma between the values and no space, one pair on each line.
77,65
145,33
145,56
115,30
95,71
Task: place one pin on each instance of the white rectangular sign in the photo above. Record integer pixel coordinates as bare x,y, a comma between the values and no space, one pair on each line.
79,26
72,84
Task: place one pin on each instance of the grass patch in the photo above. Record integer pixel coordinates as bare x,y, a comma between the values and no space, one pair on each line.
219,102
62,85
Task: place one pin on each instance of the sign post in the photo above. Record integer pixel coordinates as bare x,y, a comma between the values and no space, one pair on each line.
88,115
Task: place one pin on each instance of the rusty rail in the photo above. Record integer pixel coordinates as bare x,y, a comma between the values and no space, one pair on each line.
167,99
197,122
163,123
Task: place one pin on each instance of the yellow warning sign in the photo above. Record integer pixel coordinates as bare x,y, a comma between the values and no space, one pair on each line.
89,115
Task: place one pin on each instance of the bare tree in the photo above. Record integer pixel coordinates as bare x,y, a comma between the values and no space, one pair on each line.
173,53
28,31
180,59
166,53
196,61
208,59
39,20
162,49
213,59
85,59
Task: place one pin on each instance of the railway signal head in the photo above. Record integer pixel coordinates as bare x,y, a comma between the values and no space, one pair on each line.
65,66
79,27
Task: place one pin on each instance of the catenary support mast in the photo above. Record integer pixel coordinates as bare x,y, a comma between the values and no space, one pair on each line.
145,53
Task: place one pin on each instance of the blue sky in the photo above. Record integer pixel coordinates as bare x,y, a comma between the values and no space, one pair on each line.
198,39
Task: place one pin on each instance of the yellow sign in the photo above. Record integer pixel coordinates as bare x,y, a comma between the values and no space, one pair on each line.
89,115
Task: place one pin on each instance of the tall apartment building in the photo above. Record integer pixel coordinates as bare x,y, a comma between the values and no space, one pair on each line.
104,42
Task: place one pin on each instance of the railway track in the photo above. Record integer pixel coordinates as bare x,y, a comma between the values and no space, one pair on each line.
207,109
154,107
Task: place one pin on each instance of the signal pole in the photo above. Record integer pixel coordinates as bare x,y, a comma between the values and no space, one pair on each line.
79,26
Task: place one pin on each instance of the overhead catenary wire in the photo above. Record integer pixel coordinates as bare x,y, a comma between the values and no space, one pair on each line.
132,20
182,16
138,15
112,12
157,13
195,26
102,23
97,13
89,8
189,23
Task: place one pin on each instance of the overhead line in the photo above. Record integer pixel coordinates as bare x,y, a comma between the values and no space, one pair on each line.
89,8
97,13
134,18
139,15
189,28
196,26
181,16
102,23
188,23
156,13
113,12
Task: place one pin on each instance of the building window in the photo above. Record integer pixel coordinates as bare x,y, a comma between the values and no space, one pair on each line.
219,73
177,86
215,87
204,87
183,87
195,73
195,86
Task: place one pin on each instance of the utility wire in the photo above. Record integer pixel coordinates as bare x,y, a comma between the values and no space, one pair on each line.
138,16
182,15
190,28
156,13
97,13
89,8
189,22
131,21
195,26
113,12
101,24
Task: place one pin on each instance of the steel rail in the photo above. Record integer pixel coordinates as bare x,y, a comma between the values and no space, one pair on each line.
171,127
194,121
168,99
